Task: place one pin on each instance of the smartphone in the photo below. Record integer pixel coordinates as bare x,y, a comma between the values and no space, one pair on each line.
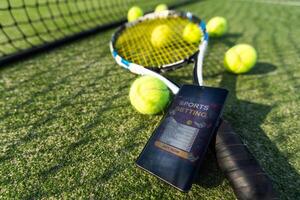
177,146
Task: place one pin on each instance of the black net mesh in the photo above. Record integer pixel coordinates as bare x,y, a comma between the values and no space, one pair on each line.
26,24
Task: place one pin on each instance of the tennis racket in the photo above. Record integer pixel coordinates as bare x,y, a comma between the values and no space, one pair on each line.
249,181
132,49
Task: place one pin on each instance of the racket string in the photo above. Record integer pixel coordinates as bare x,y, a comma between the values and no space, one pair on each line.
134,44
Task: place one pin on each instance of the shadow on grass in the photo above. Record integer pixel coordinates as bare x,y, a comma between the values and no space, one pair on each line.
246,118
261,68
210,175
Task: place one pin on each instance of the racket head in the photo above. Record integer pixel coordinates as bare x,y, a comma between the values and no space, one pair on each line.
131,43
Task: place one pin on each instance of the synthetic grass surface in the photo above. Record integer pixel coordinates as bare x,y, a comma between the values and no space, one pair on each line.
68,130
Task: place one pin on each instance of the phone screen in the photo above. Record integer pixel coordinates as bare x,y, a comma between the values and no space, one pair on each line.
179,143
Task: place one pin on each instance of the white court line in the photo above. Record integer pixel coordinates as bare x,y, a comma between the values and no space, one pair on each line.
285,3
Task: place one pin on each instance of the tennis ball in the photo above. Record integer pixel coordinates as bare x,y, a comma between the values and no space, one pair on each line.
134,13
161,7
192,33
149,95
161,36
217,27
240,58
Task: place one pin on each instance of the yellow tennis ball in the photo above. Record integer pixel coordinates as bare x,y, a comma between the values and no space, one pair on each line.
149,95
217,27
161,7
192,33
161,36
240,58
134,13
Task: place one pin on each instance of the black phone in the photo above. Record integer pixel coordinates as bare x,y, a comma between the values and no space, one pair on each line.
177,146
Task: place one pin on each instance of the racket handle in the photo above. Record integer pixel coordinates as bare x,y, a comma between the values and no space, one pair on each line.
248,179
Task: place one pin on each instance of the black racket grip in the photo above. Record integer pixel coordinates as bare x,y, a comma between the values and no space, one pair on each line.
248,179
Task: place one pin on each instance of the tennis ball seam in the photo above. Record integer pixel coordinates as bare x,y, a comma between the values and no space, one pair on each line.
161,36
148,101
240,58
151,89
138,95
151,101
134,13
217,26
241,63
192,33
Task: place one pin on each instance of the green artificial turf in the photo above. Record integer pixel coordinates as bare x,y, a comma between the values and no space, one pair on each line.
67,129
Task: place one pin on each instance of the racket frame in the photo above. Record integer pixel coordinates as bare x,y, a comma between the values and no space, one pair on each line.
196,57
